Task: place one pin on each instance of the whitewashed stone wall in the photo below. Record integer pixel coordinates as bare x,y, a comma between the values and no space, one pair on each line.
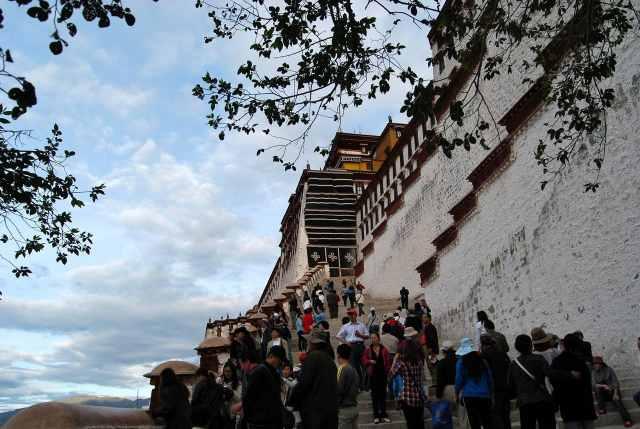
559,257
299,264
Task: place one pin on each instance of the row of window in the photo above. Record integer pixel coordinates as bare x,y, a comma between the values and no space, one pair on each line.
388,187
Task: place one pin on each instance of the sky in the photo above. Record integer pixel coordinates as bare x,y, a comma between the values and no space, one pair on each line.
189,227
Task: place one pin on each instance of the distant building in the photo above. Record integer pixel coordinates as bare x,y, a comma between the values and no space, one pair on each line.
319,225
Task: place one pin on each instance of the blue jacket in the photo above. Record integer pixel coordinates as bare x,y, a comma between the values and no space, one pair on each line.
471,387
319,317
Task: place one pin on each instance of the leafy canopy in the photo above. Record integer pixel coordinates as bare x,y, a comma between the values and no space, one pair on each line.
318,58
36,190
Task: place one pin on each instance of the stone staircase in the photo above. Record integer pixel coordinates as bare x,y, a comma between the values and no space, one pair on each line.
629,380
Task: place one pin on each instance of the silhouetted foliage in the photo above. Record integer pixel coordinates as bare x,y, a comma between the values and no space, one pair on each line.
318,58
35,187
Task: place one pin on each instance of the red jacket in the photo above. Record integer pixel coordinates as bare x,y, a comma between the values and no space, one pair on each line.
368,356
307,322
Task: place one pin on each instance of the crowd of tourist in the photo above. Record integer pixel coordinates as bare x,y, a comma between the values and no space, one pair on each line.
266,385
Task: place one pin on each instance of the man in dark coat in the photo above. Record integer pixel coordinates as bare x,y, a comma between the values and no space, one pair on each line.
584,351
446,373
261,403
431,346
499,363
332,303
498,337
174,408
404,297
316,394
571,381
207,401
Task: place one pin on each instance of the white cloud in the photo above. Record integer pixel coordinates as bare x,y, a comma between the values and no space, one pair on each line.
75,82
189,227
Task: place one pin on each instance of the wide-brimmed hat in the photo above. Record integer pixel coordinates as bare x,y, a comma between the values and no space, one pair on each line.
466,347
316,336
539,336
410,332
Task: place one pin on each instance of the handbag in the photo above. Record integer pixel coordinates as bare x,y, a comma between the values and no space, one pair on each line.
397,384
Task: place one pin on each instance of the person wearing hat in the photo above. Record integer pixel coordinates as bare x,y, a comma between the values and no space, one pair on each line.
354,333
373,323
261,400
316,393
607,389
474,385
410,333
542,345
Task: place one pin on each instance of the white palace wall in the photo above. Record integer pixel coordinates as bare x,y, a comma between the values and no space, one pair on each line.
558,257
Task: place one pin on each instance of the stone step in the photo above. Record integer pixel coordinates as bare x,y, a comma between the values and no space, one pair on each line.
368,405
393,413
629,381
628,392
395,424
629,403
609,419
